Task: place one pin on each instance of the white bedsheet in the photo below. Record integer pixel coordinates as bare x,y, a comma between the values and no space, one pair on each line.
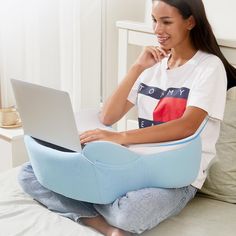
20,215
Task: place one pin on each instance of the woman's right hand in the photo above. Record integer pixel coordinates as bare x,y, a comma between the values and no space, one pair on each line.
150,56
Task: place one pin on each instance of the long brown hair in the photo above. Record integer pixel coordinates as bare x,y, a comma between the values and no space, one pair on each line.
202,35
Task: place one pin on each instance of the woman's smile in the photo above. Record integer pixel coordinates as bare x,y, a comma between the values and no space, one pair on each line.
163,39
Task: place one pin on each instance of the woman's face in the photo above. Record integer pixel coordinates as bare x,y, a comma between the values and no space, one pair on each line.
169,26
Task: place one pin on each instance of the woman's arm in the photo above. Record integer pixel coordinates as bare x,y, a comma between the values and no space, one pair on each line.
117,105
177,129
169,131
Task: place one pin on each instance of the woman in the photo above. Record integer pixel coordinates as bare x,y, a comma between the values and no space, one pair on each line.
175,87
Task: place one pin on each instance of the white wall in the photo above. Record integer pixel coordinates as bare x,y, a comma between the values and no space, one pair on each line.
91,52
222,16
114,10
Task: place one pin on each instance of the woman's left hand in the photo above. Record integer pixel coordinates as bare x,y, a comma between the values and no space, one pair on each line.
100,135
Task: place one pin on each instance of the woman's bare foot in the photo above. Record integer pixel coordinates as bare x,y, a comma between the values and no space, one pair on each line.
118,232
99,224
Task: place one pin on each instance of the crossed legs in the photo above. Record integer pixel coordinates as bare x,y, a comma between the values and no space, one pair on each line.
135,212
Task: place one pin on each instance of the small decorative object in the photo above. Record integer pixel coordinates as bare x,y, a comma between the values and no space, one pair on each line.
9,118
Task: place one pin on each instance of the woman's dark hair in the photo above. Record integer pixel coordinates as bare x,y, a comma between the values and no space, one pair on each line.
202,35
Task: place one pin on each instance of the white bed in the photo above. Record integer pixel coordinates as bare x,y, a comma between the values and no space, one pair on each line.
21,215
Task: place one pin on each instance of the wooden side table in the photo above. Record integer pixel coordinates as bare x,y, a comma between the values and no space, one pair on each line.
12,148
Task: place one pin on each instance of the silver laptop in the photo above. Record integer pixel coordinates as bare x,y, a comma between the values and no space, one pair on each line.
47,114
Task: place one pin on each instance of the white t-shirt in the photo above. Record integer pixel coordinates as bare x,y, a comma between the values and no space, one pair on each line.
162,95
